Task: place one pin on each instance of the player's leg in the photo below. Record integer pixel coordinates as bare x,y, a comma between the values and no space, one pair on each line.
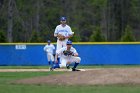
49,58
54,66
59,65
77,61
68,64
52,59
63,62
59,46
64,43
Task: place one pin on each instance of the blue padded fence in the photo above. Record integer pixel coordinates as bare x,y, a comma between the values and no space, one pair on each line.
105,54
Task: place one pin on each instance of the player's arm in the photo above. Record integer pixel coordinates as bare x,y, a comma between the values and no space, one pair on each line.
75,53
45,48
70,33
53,47
69,36
56,32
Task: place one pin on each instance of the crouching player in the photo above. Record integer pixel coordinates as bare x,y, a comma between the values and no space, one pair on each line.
68,55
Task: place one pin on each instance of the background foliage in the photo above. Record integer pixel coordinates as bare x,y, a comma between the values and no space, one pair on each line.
35,20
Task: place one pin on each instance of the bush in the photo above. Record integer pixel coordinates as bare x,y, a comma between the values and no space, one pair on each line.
2,37
128,35
97,36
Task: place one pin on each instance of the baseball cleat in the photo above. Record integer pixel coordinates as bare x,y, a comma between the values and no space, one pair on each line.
67,66
73,69
51,69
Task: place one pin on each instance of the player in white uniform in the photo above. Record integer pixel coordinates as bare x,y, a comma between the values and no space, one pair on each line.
49,49
67,58
64,30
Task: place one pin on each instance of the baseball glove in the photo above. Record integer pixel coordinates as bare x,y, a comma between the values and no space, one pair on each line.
61,37
68,53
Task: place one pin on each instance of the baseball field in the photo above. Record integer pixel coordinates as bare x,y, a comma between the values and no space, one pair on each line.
94,79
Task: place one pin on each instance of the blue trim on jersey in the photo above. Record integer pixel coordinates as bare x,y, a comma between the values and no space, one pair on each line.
62,31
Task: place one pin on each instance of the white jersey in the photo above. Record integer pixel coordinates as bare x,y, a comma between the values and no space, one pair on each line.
66,58
60,52
49,48
65,31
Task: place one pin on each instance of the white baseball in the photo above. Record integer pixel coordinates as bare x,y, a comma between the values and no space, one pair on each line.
73,33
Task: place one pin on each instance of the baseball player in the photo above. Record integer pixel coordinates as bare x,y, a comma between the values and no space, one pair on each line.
63,32
67,55
49,49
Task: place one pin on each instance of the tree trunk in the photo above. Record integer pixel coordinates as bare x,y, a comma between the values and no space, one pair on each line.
10,21
37,16
1,3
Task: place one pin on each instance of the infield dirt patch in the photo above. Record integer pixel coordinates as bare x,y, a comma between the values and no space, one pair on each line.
91,77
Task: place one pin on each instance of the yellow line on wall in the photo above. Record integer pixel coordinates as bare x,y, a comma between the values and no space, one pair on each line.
73,43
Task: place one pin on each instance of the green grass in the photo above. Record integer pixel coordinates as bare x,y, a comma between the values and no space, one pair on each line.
6,87
80,66
24,67
67,89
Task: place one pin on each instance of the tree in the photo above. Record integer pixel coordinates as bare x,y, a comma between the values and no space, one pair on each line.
20,18
2,37
10,21
128,35
76,37
35,37
97,36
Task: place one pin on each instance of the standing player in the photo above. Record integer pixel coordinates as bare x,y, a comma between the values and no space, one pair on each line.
63,32
68,55
49,49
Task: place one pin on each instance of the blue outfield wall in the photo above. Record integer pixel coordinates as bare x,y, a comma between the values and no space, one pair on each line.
105,54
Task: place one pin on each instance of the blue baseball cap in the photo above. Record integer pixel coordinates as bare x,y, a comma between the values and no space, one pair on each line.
63,18
69,42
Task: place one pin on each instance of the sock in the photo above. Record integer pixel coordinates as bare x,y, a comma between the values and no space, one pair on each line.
53,62
49,62
58,60
75,65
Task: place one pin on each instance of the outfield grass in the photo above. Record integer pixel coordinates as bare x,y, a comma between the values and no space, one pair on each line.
6,87
67,89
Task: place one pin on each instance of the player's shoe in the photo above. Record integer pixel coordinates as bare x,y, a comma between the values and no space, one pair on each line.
73,69
51,68
68,66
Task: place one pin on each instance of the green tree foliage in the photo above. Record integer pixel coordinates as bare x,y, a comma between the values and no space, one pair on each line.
97,36
76,37
128,35
35,37
2,37
42,16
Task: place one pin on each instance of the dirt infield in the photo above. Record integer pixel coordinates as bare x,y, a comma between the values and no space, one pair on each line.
36,70
97,76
